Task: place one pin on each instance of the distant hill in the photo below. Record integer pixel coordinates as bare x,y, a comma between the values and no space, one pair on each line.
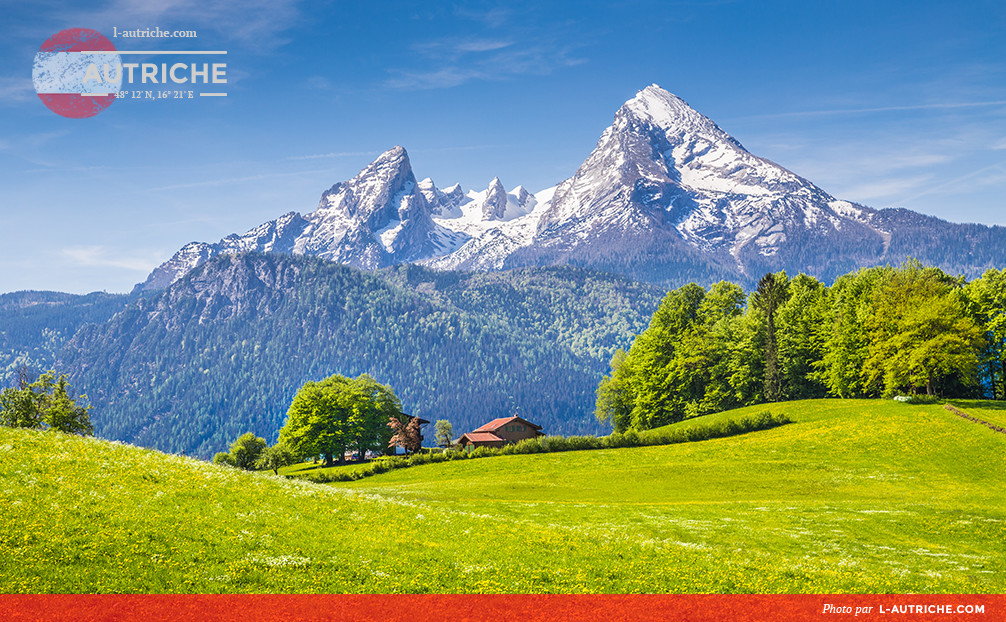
223,350
35,325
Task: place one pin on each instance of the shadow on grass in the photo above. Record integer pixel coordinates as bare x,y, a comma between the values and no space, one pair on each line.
297,469
983,404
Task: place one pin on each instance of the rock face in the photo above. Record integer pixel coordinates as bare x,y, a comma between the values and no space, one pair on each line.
666,183
379,218
666,196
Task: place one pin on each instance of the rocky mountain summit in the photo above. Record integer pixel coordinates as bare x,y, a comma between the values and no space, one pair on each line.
666,196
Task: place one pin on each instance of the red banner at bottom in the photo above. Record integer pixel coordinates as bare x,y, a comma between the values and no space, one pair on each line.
522,608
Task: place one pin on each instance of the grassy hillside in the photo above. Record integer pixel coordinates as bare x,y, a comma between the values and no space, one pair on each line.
856,496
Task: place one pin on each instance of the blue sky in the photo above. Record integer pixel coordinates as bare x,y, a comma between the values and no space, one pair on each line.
884,103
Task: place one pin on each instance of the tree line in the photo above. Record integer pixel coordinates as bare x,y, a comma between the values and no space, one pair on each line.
876,332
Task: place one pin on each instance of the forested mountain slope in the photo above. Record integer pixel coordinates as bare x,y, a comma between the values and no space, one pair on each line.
34,325
223,350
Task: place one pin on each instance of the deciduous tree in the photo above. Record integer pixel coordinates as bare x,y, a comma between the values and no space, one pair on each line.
245,451
987,303
920,332
328,417
275,458
406,433
444,433
46,402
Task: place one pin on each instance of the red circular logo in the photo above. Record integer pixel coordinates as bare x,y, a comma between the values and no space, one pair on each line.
77,73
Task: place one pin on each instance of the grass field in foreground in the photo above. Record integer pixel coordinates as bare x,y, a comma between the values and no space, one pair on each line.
856,496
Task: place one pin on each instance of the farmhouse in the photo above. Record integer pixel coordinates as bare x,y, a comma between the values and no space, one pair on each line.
499,432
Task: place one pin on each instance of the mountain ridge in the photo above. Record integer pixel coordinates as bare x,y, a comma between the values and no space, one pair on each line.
666,196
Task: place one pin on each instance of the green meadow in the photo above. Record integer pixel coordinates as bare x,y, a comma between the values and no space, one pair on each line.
993,412
854,496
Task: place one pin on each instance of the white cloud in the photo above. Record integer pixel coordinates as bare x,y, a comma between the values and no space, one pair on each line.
333,154
482,45
257,24
883,188
985,176
226,181
101,256
452,62
452,48
319,83
871,110
16,89
493,18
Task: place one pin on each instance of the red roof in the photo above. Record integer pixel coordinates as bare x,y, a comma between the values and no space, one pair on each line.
496,424
483,437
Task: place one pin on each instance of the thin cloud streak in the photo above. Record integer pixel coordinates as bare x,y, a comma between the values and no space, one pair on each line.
508,63
256,23
235,180
853,111
16,89
869,192
998,166
100,256
334,154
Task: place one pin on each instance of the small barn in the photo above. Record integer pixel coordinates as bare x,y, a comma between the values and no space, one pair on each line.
500,432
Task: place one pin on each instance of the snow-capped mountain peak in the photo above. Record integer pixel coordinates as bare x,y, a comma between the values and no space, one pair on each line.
666,196
668,177
665,110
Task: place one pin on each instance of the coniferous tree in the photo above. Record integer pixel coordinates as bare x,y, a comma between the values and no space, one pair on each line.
772,293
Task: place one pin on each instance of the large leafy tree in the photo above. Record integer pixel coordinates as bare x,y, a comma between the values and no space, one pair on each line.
657,376
614,394
847,341
338,414
921,332
679,366
373,405
244,452
987,303
800,324
46,402
721,317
